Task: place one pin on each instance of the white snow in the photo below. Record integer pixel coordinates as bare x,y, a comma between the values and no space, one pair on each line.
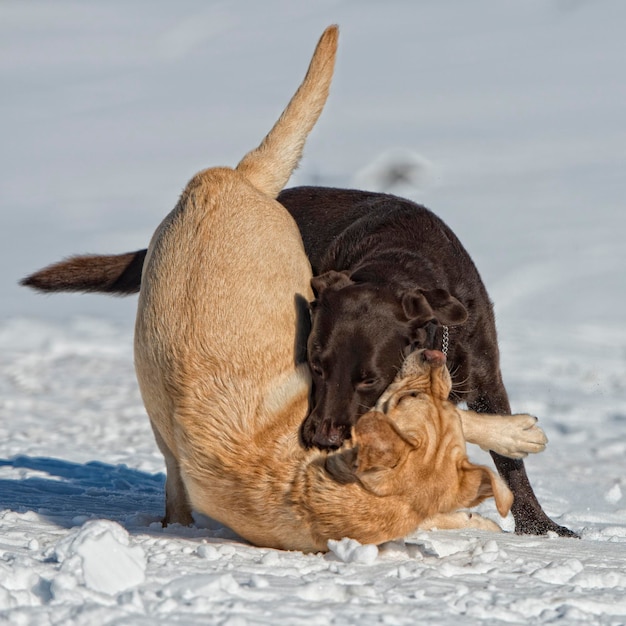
99,555
512,118
351,551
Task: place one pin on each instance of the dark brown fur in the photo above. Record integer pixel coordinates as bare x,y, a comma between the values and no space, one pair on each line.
389,275
118,275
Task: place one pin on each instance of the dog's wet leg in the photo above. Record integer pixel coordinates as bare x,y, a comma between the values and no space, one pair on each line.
530,518
177,508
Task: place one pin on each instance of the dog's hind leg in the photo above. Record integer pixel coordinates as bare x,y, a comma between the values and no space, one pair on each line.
269,166
177,507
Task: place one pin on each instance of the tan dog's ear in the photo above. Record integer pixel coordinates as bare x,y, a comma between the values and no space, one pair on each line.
341,466
381,448
479,482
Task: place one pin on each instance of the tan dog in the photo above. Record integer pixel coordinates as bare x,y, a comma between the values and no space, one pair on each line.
219,352
435,429
222,314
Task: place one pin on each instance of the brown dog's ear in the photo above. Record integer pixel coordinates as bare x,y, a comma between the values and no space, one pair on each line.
381,447
417,308
421,306
478,483
332,279
446,308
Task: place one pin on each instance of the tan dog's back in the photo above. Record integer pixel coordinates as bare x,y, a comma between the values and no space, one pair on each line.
213,301
221,322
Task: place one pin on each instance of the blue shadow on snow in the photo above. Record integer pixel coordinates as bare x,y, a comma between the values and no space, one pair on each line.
67,492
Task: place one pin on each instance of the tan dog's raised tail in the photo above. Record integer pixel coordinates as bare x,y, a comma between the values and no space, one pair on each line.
222,315
219,351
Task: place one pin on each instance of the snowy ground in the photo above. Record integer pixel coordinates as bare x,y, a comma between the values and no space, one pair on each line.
515,114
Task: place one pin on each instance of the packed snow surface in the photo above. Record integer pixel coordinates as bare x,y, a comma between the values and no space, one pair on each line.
507,119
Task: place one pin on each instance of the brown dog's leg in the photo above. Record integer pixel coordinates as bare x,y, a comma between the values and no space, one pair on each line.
177,508
530,519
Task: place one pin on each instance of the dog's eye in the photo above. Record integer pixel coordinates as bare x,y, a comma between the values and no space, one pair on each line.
409,394
316,368
366,383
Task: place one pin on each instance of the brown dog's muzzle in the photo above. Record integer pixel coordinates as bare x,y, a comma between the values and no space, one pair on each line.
329,436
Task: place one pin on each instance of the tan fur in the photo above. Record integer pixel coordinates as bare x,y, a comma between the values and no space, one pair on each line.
516,437
221,325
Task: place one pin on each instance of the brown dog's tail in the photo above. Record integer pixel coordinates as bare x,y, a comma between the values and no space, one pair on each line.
117,274
269,166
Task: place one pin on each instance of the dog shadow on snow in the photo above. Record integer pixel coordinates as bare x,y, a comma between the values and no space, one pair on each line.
68,494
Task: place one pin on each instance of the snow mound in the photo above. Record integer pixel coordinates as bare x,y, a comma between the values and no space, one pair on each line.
99,556
351,551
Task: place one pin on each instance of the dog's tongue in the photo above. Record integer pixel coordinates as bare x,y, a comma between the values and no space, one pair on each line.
435,358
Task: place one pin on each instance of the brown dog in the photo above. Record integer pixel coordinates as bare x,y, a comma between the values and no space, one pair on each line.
391,277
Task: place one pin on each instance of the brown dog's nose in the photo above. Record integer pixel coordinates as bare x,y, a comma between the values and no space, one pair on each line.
436,358
329,436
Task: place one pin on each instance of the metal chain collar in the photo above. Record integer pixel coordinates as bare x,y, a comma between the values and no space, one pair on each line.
445,340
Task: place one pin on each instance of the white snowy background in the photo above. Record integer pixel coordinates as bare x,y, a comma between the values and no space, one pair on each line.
512,116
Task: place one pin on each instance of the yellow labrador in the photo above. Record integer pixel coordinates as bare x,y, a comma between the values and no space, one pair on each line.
219,352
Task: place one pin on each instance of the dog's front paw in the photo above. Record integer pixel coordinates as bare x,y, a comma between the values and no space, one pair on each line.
519,436
458,520
482,523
